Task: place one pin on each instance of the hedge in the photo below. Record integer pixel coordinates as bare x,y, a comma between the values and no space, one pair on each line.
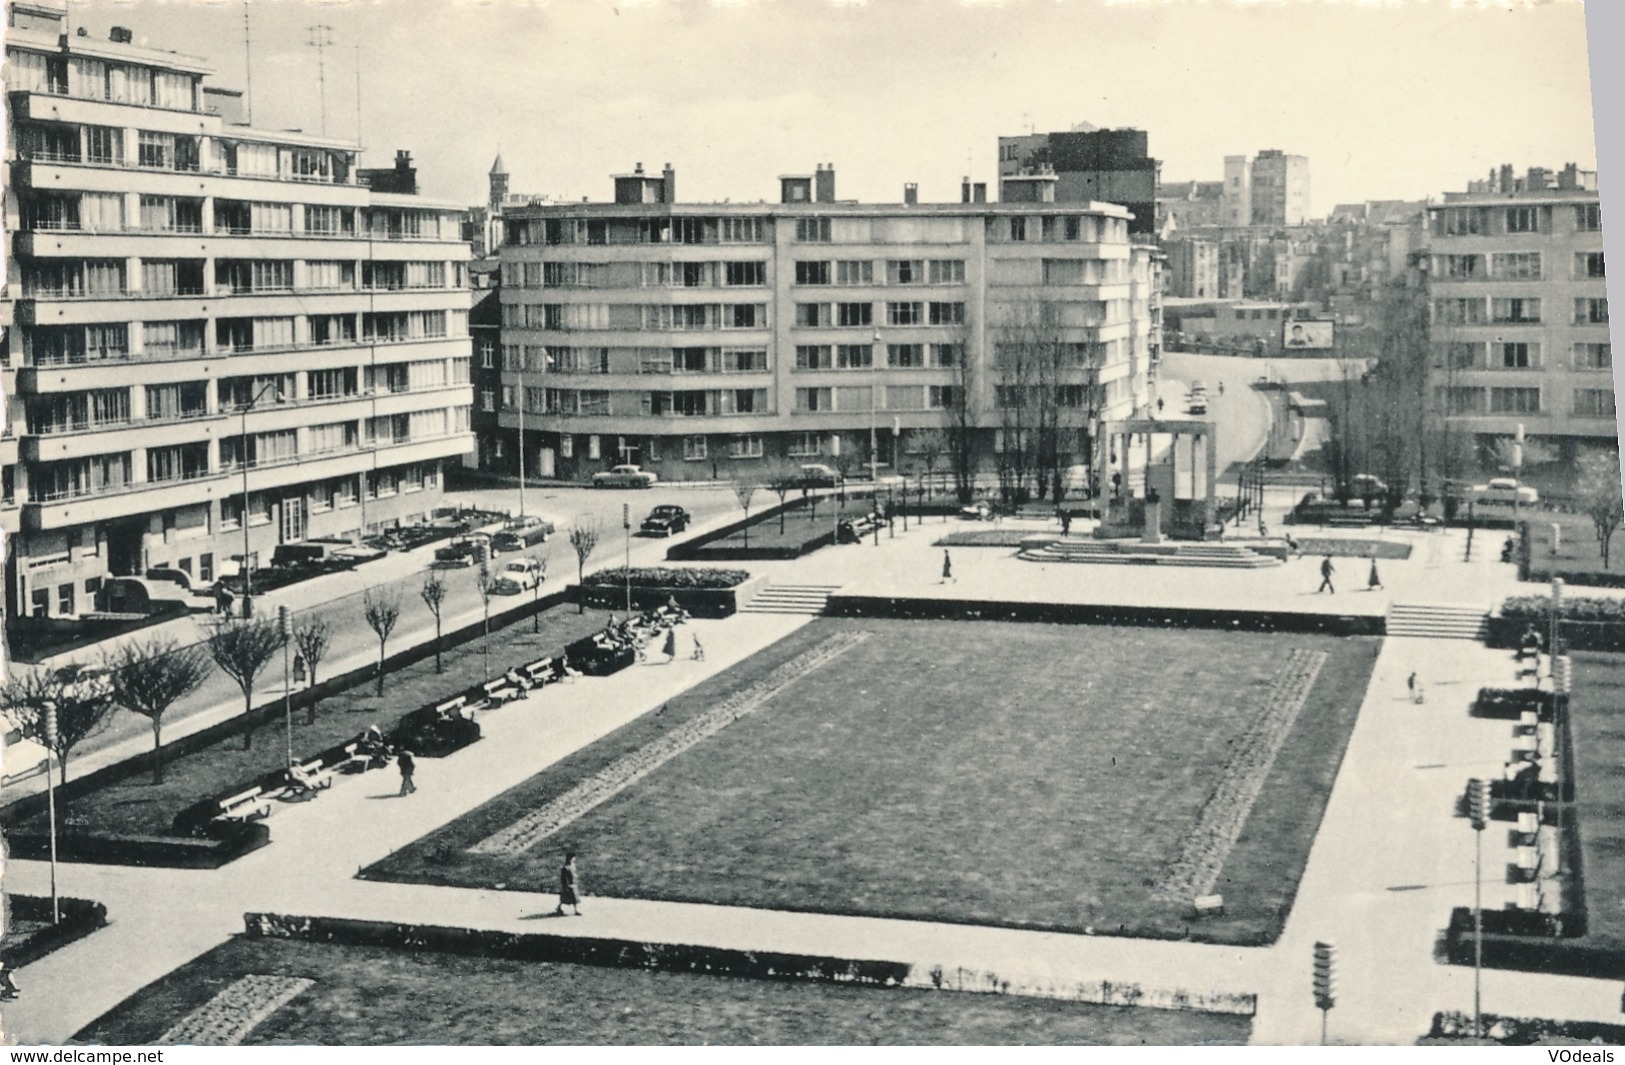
1537,609
1577,956
671,577
1511,703
1524,1031
699,602
77,918
855,606
224,843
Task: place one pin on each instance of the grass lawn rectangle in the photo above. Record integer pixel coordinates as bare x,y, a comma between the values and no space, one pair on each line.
1578,554
985,772
1597,730
372,996
135,805
800,525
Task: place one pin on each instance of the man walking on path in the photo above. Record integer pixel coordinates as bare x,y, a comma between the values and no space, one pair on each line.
1326,571
568,892
407,766
1414,686
1374,581
947,568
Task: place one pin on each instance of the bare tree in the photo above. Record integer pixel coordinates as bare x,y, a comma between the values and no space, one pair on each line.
242,648
311,639
931,444
381,607
536,594
744,487
783,478
485,583
82,702
149,677
1598,489
584,539
433,594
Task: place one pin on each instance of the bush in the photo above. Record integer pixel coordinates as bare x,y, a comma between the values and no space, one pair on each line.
1538,608
1512,702
669,577
79,918
1524,1031
427,735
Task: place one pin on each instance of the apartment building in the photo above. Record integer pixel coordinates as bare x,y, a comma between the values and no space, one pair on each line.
1520,308
1279,187
701,339
1091,165
209,326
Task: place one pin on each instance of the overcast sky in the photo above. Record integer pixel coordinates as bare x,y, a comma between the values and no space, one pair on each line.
1388,100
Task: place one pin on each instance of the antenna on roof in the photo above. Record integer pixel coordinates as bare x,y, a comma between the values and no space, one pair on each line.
248,68
320,37
358,100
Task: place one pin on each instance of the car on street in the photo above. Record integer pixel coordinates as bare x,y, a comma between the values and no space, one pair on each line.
978,511
522,533
625,476
1196,403
1504,490
520,575
816,475
1367,486
668,519
462,551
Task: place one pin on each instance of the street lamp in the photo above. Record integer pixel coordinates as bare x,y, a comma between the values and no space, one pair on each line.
242,458
874,403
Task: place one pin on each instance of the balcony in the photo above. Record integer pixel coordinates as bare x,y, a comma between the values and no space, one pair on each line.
68,440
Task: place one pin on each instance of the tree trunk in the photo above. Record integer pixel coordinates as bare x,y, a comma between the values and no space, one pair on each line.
380,669
581,590
437,668
248,724
157,751
62,760
310,712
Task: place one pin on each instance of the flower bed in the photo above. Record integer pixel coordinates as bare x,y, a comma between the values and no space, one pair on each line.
1589,623
672,577
1512,703
31,934
1525,1031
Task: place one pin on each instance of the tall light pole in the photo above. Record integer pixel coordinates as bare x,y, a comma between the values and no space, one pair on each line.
1478,813
284,624
49,712
874,403
521,401
626,527
242,458
321,37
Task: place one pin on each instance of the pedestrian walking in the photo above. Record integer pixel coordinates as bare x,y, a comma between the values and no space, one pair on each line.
569,886
1374,581
1326,571
1414,686
670,649
1159,406
947,568
408,766
1066,523
8,985
699,652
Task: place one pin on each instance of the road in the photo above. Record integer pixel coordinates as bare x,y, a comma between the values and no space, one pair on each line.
338,598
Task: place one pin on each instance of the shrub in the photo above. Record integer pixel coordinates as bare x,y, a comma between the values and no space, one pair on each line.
1524,1031
1538,609
669,577
1511,702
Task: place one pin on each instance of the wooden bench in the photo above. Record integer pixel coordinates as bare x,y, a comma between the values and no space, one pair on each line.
457,707
541,672
499,691
246,806
353,761
317,779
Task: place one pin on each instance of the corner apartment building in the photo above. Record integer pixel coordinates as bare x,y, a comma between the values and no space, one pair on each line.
1520,308
1279,187
700,339
208,325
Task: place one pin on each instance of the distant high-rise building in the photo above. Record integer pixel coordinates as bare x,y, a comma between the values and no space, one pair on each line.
1237,209
1279,188
1101,165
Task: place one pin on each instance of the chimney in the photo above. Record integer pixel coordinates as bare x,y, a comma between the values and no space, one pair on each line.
668,181
403,159
638,169
911,194
824,184
121,35
979,192
964,190
1569,177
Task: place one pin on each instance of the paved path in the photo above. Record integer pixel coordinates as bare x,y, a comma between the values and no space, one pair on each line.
1390,862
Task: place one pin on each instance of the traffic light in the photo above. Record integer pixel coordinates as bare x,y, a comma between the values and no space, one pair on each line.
1563,674
1325,997
284,622
1478,803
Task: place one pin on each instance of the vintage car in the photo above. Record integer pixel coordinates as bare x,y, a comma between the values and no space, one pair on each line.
624,476
668,519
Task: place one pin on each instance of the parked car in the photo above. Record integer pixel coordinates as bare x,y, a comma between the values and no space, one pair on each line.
624,477
522,533
1504,490
520,575
1367,486
462,551
668,519
816,475
978,511
1196,404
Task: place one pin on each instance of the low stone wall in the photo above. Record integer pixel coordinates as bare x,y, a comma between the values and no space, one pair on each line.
874,606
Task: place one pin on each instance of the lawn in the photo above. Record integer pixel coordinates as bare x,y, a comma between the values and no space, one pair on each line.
371,996
134,805
800,525
985,772
1578,557
1597,729
1345,547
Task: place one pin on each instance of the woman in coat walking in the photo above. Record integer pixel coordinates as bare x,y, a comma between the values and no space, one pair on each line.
569,895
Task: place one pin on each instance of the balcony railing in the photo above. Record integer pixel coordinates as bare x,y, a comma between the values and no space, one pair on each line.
76,158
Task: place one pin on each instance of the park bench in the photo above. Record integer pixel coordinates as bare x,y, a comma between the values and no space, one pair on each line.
1528,824
500,691
315,779
243,807
1347,522
541,672
457,707
354,760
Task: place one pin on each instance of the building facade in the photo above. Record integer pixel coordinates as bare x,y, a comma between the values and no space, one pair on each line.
701,339
1279,186
1193,268
1091,165
1520,308
212,330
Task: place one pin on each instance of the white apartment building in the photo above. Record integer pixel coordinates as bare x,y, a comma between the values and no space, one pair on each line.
698,339
1520,308
207,325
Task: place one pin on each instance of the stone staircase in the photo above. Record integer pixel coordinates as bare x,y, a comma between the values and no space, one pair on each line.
790,599
1437,621
1125,552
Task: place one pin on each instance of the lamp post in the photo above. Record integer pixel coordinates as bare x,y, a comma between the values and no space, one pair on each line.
874,403
521,400
49,711
626,527
242,458
284,623
1478,813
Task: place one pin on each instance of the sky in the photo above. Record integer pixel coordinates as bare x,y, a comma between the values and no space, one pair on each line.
1388,99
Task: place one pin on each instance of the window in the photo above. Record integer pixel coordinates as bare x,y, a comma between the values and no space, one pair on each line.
854,356
330,384
1518,356
943,397
1458,311
488,400
694,449
905,313
752,360
1515,266
942,355
1588,218
814,399
812,231
1063,271
1594,402
905,356
329,275
1459,267
812,315
1071,396
172,339
812,273
689,231
1514,401
753,274
690,360
855,314
1592,356
332,329
1460,400
905,272
334,436
947,314
1515,310
187,400
744,316
1073,228
329,221
1588,264
1523,220
741,230
103,145
802,445
854,272
814,357
1591,311
1460,221
947,271
745,447
1018,229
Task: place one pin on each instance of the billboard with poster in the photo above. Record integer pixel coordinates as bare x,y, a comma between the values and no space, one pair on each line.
1306,336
